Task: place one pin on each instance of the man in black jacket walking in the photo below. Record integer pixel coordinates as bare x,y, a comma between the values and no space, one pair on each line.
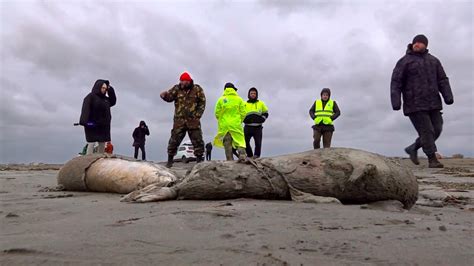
139,139
419,77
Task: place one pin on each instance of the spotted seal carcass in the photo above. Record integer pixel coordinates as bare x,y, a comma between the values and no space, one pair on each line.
323,175
111,173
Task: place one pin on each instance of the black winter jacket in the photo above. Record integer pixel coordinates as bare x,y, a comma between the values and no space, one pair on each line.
96,110
419,78
139,135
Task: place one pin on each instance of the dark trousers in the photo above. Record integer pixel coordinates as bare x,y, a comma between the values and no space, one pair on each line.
141,147
178,134
208,155
327,136
255,133
429,125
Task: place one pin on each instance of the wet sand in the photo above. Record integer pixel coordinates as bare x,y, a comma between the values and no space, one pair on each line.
39,226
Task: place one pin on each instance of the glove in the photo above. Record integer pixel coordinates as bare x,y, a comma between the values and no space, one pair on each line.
396,108
449,102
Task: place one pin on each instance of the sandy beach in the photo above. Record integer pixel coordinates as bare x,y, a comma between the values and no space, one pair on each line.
45,227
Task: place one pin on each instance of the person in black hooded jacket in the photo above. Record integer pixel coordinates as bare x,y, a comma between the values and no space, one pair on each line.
96,116
139,139
323,112
419,77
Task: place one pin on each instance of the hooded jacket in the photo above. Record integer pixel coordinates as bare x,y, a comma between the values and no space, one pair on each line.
256,111
230,113
139,134
419,78
96,112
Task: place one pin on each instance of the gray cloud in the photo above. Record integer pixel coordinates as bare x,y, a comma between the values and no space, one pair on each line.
52,52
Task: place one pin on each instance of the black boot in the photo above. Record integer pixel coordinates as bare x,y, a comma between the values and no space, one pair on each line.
199,159
413,154
433,162
169,164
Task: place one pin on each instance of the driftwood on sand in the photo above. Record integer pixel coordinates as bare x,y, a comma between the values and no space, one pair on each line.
324,175
111,173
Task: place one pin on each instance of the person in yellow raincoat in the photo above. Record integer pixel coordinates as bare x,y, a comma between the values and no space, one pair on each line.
230,113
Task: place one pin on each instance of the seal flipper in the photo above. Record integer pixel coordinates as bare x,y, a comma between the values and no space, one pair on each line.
300,196
359,172
151,193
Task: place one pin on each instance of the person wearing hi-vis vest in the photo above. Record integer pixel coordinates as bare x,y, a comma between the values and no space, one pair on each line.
323,112
230,113
257,113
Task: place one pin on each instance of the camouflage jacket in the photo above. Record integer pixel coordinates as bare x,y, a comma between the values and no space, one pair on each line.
189,105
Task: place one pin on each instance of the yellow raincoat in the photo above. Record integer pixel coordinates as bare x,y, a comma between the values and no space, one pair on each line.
230,113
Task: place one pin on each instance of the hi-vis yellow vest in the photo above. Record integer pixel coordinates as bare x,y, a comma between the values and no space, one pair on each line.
256,108
323,115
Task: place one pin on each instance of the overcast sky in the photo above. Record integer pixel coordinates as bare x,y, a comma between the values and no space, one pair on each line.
53,51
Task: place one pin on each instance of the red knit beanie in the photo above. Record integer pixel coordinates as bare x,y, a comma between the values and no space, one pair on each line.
185,77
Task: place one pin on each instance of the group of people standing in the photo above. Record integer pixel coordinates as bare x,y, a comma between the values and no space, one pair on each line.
230,111
418,77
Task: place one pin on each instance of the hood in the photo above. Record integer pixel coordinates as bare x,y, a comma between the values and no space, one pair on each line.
142,123
248,95
97,85
230,91
230,85
326,90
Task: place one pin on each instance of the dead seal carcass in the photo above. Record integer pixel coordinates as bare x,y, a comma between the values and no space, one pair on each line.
111,173
348,175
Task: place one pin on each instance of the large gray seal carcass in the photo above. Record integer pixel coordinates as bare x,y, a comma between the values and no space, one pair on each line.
338,174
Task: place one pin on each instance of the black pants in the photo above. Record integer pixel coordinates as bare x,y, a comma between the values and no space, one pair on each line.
142,147
208,155
255,133
429,125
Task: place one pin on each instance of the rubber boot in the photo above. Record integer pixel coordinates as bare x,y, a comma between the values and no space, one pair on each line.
413,154
242,155
169,164
228,147
433,162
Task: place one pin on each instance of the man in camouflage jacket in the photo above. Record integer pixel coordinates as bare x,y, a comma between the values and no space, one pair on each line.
190,103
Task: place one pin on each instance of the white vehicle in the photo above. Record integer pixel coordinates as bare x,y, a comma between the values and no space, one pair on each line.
185,153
